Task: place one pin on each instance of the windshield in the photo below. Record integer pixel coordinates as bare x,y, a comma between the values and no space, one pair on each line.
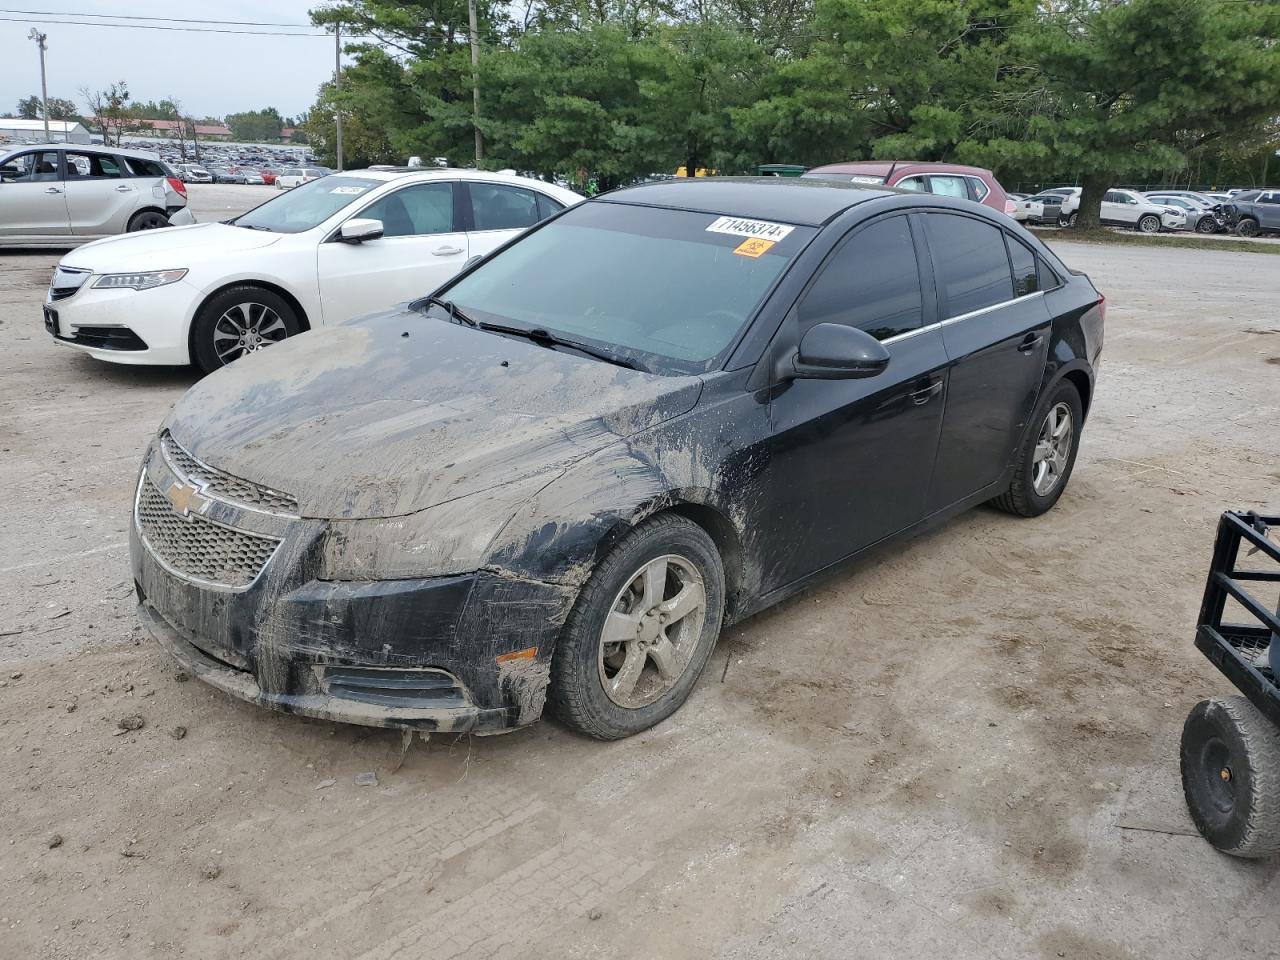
307,205
669,288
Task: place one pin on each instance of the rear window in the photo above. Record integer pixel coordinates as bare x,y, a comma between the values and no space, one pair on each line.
139,167
669,288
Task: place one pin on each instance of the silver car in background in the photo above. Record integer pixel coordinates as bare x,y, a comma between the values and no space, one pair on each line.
66,194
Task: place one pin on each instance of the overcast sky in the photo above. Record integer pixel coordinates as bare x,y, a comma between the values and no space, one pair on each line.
211,73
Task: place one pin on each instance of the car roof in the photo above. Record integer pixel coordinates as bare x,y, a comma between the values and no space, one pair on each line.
87,148
786,199
882,168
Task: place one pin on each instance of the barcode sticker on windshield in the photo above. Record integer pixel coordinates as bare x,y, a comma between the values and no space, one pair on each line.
739,227
350,190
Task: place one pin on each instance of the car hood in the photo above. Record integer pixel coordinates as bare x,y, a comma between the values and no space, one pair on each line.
398,412
168,248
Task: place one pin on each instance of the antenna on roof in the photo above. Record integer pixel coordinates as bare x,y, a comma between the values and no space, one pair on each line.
893,166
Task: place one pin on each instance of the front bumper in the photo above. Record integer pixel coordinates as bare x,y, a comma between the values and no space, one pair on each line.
159,318
466,653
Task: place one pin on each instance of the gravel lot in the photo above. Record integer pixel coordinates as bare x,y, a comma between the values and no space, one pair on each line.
966,747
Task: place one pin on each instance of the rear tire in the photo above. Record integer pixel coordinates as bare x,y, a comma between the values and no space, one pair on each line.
617,595
1067,221
147,220
239,320
1038,481
1230,759
1247,227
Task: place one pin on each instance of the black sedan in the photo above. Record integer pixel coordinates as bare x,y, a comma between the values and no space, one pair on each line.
564,473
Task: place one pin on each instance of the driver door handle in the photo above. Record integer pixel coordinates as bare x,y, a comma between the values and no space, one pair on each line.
925,394
124,188
446,251
1030,342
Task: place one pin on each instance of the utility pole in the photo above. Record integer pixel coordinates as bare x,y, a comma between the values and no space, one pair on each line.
475,79
337,84
41,42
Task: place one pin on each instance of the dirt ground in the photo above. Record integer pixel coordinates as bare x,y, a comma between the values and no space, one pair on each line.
965,747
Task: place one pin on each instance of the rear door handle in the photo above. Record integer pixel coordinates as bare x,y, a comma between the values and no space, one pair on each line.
446,251
1030,342
52,189
925,394
124,188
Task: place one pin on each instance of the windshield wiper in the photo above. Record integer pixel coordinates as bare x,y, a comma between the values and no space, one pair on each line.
548,339
451,308
248,226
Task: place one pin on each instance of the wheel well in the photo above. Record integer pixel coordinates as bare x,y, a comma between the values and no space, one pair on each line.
279,291
725,537
1080,380
151,209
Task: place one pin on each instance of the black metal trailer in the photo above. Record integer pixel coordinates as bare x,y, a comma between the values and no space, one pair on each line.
1230,750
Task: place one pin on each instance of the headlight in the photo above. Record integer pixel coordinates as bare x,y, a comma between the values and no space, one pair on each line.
139,281
450,538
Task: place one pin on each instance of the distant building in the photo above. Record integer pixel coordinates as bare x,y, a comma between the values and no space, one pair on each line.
60,131
169,129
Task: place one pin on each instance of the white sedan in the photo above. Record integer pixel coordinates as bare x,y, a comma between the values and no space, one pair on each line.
335,248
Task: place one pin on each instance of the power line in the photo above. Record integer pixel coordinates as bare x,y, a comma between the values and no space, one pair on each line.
124,16
148,26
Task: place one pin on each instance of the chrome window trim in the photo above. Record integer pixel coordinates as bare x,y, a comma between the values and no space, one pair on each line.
897,338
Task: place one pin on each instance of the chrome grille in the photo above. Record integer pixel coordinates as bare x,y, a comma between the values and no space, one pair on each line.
66,281
198,548
223,485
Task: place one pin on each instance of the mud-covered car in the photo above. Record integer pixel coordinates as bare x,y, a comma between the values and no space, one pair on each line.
653,415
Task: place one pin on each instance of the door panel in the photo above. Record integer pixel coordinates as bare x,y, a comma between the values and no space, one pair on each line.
419,250
851,459
997,352
32,202
100,198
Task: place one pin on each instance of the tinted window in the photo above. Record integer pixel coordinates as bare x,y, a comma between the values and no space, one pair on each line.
912,183
1025,278
495,206
949,187
414,211
871,282
969,263
96,165
979,188
32,167
137,167
1269,198
658,285
547,206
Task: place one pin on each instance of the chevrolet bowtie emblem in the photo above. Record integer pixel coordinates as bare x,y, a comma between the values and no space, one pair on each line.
184,496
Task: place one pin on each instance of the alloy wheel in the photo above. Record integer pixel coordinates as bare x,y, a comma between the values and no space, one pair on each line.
245,328
651,631
1149,224
1053,450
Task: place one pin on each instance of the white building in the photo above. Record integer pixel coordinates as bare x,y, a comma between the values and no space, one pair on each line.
60,131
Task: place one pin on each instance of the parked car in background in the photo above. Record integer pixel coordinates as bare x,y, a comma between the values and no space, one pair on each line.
1042,208
314,256
269,175
194,173
253,177
944,179
227,175
291,177
558,479
66,194
1252,212
1122,208
1200,216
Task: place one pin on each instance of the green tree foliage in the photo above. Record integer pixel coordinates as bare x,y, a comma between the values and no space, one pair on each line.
256,125
1100,91
30,108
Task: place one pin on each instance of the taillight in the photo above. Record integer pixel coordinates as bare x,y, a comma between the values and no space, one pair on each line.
1010,207
1102,306
178,186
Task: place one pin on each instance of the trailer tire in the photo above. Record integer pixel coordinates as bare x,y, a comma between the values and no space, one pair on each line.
1230,759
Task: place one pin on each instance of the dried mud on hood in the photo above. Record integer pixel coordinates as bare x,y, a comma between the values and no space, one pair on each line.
399,412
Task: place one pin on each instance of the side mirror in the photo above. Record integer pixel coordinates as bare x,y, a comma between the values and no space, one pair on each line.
358,230
834,351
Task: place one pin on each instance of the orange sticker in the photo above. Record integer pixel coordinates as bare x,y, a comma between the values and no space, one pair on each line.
753,247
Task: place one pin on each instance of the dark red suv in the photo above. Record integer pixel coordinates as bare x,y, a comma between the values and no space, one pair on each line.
947,179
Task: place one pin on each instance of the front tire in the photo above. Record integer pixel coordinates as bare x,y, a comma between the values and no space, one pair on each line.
147,220
1047,456
240,320
1207,225
641,631
1149,223
1230,759
1247,227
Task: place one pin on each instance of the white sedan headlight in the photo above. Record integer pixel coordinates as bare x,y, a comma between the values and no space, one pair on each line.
139,281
